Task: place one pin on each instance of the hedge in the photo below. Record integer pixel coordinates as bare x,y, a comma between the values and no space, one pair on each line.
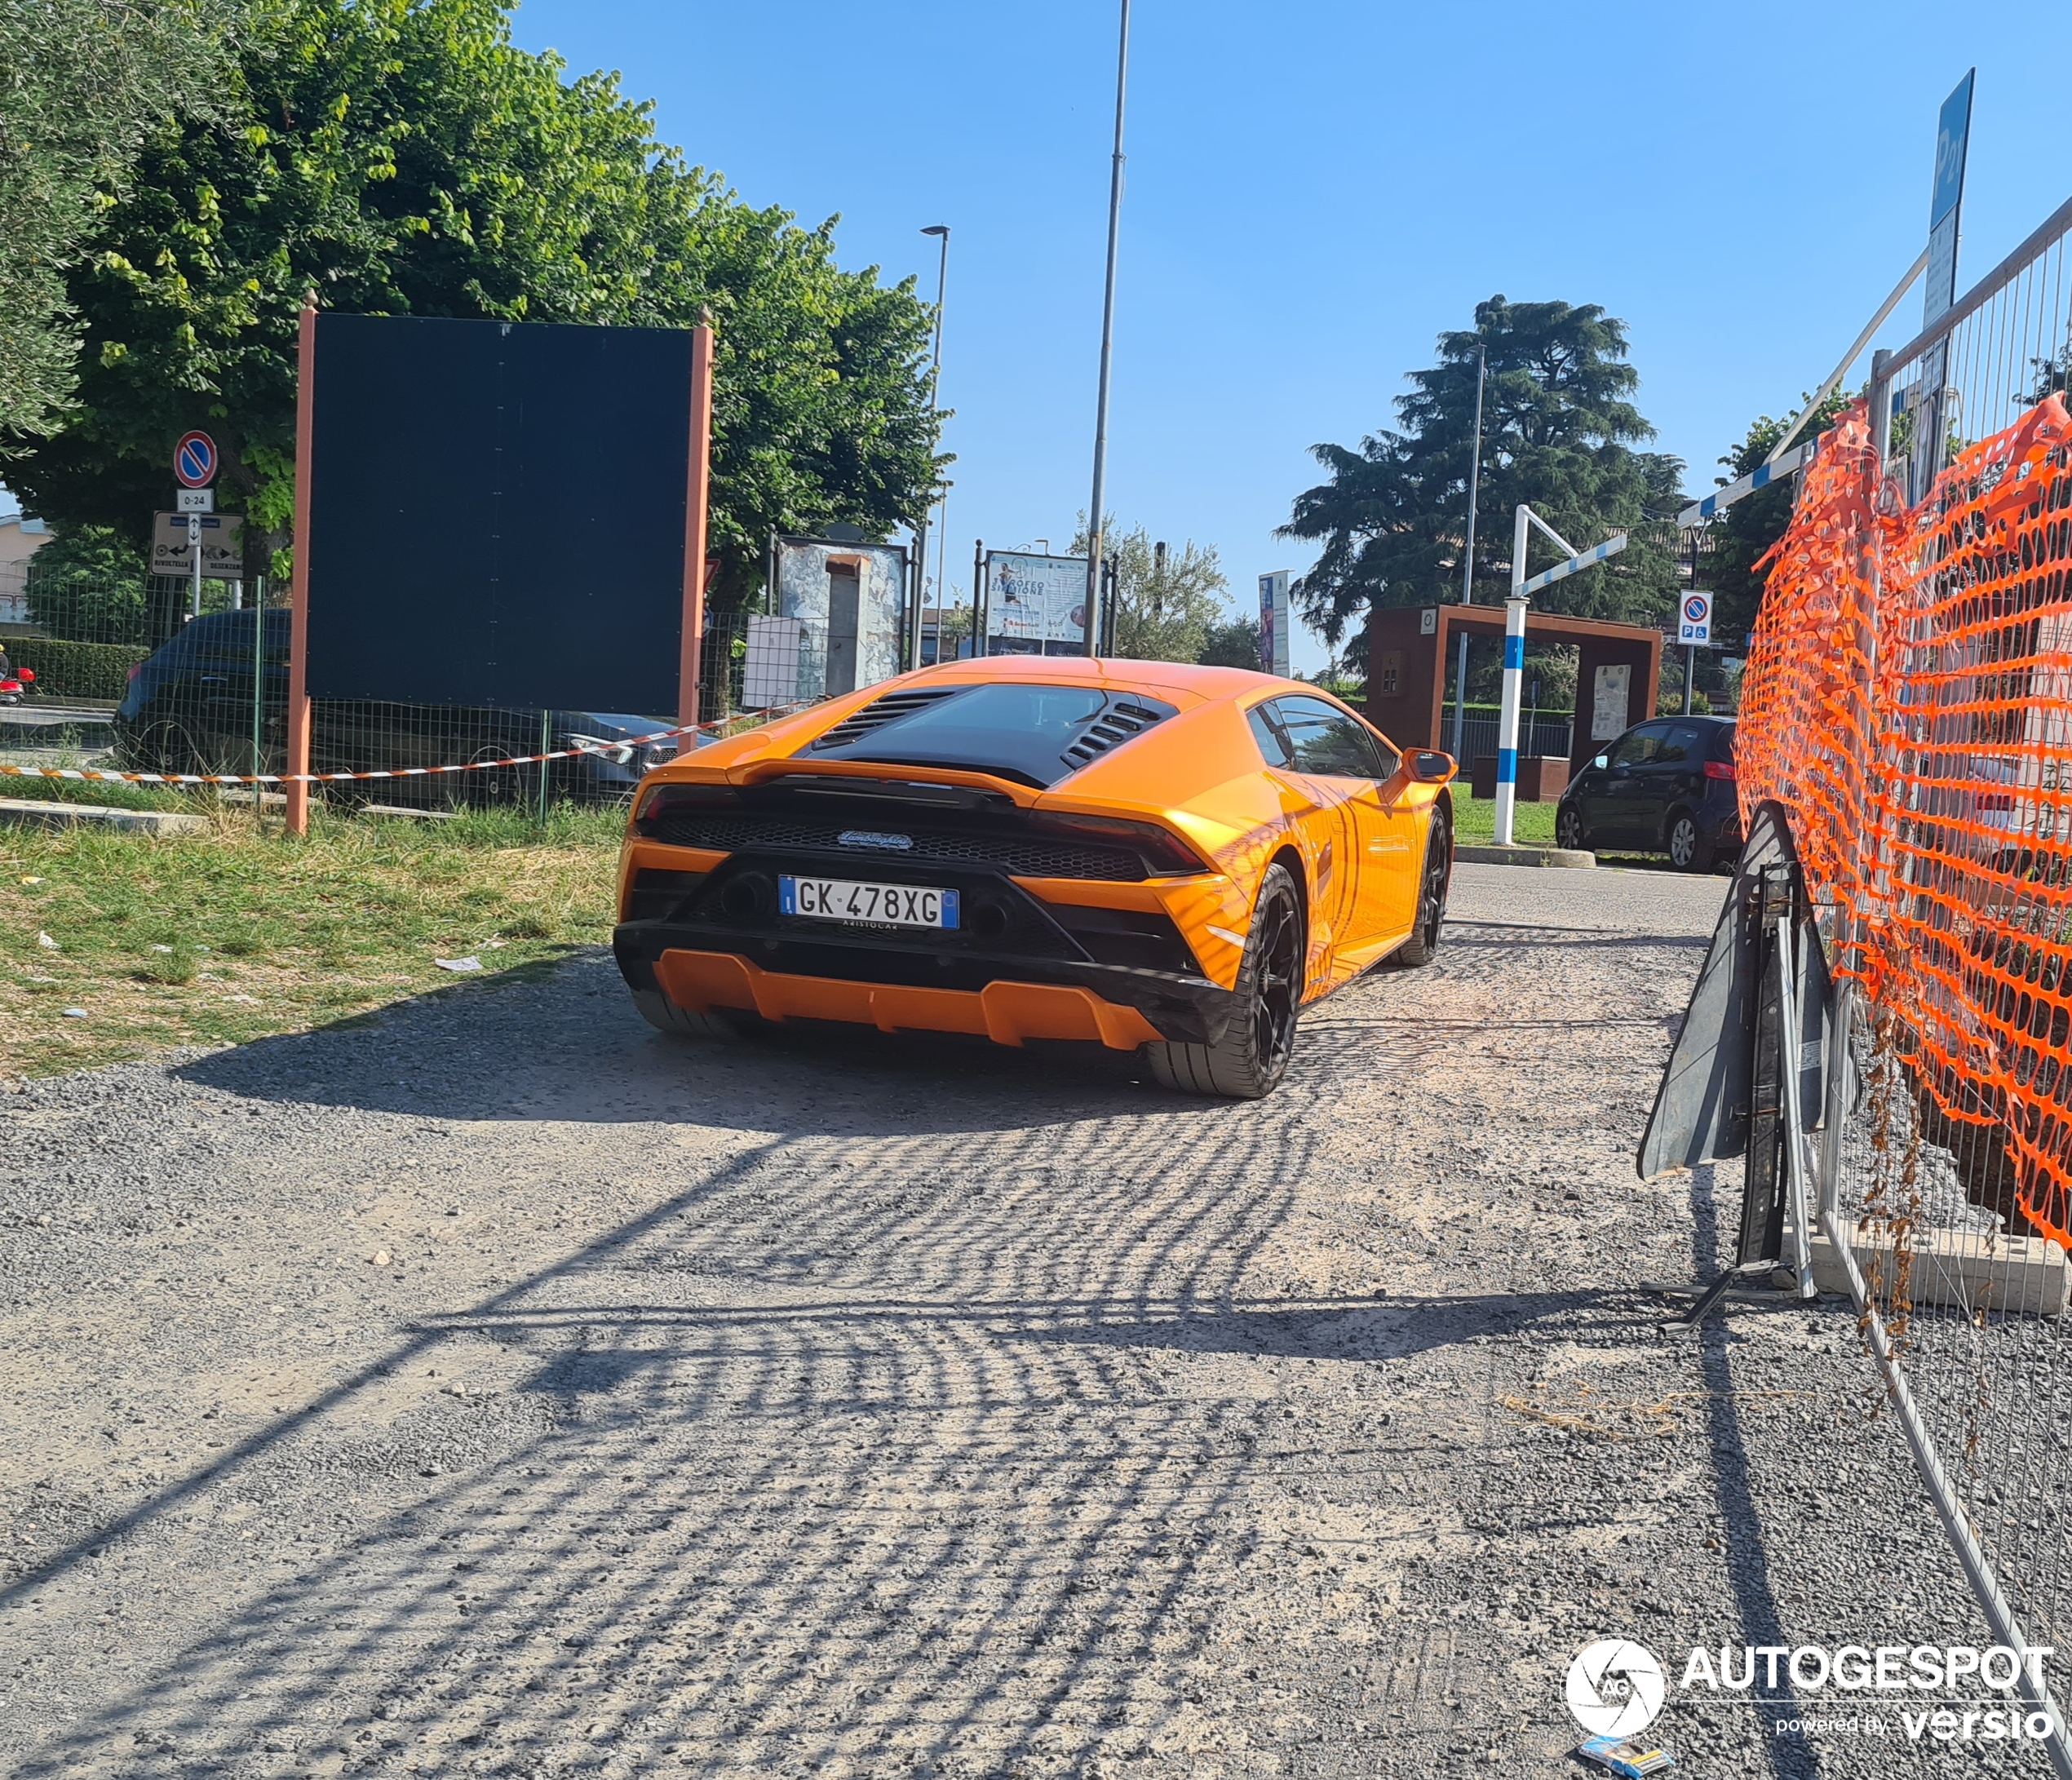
76,669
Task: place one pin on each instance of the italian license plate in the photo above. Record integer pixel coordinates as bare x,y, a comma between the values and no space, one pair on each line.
874,904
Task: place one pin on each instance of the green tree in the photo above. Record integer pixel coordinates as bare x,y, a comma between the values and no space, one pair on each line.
82,81
1163,612
1735,541
1558,433
404,157
88,585
1232,645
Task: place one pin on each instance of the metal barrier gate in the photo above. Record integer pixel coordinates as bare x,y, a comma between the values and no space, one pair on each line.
1908,701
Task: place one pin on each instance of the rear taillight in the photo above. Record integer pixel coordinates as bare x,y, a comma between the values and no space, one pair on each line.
1719,769
135,669
660,801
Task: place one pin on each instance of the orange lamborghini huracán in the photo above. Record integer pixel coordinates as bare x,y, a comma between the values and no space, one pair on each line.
1173,859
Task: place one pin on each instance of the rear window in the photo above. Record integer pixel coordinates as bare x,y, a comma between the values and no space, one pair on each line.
1723,743
1036,734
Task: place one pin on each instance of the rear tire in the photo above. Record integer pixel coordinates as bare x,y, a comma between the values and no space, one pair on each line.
715,1026
1247,1062
1422,945
1689,850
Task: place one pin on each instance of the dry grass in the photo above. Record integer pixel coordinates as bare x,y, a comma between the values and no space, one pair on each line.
234,934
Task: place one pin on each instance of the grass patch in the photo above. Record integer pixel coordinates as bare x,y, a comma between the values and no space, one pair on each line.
1475,822
232,934
106,792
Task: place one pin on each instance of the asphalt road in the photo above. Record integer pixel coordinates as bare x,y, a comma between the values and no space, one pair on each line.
496,1387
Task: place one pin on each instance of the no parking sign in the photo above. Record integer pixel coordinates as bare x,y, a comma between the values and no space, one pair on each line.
194,460
1694,623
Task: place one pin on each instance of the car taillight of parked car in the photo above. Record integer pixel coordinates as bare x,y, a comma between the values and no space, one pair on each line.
1719,769
135,669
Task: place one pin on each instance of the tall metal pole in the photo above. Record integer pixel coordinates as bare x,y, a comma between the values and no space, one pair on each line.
1690,650
981,598
1468,558
941,230
1094,516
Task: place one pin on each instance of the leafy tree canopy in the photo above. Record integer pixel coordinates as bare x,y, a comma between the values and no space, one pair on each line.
82,81
1164,613
1234,644
88,585
404,157
1558,433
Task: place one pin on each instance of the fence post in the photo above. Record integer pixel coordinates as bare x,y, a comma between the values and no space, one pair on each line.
259,699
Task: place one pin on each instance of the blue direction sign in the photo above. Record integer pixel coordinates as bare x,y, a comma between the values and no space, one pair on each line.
194,460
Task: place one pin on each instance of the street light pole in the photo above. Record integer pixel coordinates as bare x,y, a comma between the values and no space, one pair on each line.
1468,558
941,230
1094,519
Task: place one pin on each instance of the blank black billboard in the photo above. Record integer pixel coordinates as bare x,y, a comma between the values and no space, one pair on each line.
497,513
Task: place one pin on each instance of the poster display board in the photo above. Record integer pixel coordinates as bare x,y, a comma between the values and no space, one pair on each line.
1608,702
1274,621
854,596
498,513
1034,605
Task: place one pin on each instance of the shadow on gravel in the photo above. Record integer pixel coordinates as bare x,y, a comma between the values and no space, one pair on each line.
1747,1560
1367,1329
569,1047
915,1509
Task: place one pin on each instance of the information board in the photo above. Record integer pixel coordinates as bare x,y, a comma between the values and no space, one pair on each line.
1035,605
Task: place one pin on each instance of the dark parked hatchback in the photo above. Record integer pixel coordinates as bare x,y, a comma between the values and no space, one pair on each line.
1665,786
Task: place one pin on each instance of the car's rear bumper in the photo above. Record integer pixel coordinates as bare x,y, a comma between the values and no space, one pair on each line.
894,985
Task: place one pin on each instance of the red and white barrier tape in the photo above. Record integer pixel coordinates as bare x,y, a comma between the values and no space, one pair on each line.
182,780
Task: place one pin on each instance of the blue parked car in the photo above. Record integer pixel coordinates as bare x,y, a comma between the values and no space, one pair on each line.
1665,786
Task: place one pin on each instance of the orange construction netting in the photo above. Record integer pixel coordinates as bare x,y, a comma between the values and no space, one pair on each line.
1908,701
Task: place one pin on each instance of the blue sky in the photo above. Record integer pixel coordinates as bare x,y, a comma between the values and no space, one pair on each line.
1318,187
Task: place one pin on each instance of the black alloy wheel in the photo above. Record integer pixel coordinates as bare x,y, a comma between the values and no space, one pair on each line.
1422,945
1247,1062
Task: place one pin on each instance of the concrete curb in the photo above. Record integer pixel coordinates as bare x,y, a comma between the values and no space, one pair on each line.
1573,858
28,812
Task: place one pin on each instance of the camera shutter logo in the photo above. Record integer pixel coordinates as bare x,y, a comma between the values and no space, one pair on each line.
1615,1688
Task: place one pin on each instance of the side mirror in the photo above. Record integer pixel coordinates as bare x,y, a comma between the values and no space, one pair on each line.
1602,761
1420,766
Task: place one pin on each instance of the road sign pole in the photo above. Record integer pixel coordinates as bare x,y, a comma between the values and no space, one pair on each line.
194,551
1690,675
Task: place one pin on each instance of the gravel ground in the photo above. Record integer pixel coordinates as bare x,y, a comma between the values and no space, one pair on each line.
494,1386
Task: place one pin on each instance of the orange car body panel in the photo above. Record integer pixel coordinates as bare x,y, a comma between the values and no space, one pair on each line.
1198,774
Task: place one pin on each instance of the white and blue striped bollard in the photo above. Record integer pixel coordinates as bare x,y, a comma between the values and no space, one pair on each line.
1506,735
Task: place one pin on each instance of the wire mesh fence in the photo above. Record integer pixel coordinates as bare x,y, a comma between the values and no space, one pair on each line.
144,674
1908,703
1539,733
